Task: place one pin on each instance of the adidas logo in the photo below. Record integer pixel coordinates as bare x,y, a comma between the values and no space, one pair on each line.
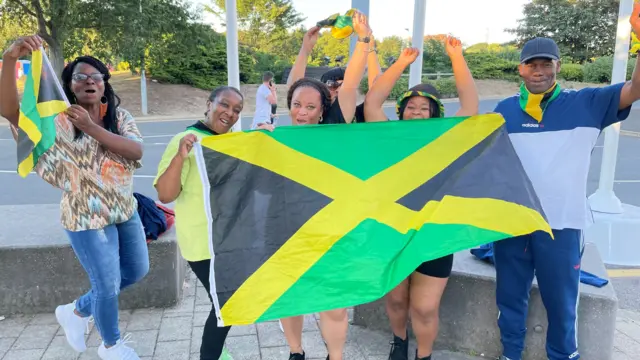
533,125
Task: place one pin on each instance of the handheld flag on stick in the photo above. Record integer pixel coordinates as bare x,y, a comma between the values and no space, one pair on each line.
341,25
42,100
315,226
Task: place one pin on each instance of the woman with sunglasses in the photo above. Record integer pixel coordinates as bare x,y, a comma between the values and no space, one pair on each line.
96,151
420,294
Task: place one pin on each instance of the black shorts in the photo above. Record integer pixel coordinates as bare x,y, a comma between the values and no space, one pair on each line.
439,268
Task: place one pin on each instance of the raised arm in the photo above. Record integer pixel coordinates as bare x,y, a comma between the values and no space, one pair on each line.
467,91
299,67
348,94
174,168
9,104
631,90
272,98
128,144
373,66
382,87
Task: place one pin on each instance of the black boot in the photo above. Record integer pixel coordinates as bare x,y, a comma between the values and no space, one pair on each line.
424,358
296,356
399,348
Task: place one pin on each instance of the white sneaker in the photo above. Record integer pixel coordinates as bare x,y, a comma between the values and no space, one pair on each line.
119,351
73,325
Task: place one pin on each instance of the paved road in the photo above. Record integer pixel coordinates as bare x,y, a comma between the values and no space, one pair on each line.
32,190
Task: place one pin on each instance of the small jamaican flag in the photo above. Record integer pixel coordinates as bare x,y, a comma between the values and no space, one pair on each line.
341,25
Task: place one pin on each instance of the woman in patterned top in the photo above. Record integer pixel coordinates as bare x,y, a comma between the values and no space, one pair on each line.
96,151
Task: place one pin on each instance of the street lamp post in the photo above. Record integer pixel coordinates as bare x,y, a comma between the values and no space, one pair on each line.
233,65
363,7
604,200
419,14
143,79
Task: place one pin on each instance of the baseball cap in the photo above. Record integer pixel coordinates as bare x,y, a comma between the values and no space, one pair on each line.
540,48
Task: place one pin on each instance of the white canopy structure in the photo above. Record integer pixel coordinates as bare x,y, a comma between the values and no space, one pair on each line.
614,231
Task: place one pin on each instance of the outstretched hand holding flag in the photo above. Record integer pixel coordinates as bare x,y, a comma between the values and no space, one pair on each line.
341,25
43,99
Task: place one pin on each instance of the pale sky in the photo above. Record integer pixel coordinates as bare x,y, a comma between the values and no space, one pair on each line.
473,21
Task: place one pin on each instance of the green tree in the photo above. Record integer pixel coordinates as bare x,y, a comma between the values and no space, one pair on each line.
389,49
331,47
10,29
195,55
119,24
434,57
52,18
263,24
583,29
137,25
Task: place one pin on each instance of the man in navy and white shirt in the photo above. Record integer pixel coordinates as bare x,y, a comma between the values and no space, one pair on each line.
553,131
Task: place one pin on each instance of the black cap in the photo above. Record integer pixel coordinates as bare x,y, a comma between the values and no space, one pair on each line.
540,48
334,74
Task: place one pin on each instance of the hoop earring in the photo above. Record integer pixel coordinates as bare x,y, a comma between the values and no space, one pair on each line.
320,121
103,107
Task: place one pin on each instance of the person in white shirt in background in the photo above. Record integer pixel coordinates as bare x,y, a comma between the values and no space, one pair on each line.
265,98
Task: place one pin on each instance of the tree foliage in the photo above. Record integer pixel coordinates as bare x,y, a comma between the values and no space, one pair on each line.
389,50
583,29
262,24
195,56
107,29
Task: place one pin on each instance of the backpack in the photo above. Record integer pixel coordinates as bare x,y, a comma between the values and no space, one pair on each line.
153,217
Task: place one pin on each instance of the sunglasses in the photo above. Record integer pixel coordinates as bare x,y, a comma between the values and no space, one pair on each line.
98,77
332,84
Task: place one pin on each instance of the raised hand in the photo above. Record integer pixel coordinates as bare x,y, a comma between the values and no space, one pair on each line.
186,144
80,118
23,47
310,39
267,127
453,46
408,56
635,18
361,25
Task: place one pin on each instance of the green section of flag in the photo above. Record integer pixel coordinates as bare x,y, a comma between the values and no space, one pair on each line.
392,143
42,100
370,261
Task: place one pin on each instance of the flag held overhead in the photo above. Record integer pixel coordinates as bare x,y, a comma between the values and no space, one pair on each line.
315,226
42,100
341,25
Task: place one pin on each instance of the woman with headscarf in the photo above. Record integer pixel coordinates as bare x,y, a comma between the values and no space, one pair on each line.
420,294
178,179
96,151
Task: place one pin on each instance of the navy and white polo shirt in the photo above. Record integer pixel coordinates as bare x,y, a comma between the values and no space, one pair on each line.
556,153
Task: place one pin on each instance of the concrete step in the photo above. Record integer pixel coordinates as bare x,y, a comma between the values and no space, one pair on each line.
39,270
468,313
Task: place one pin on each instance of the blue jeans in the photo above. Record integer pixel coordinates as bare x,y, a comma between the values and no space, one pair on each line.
556,265
114,258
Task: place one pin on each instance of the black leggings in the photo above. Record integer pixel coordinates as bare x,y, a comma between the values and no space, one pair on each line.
213,336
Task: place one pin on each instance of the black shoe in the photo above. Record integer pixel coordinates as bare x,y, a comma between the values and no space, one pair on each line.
399,349
296,356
